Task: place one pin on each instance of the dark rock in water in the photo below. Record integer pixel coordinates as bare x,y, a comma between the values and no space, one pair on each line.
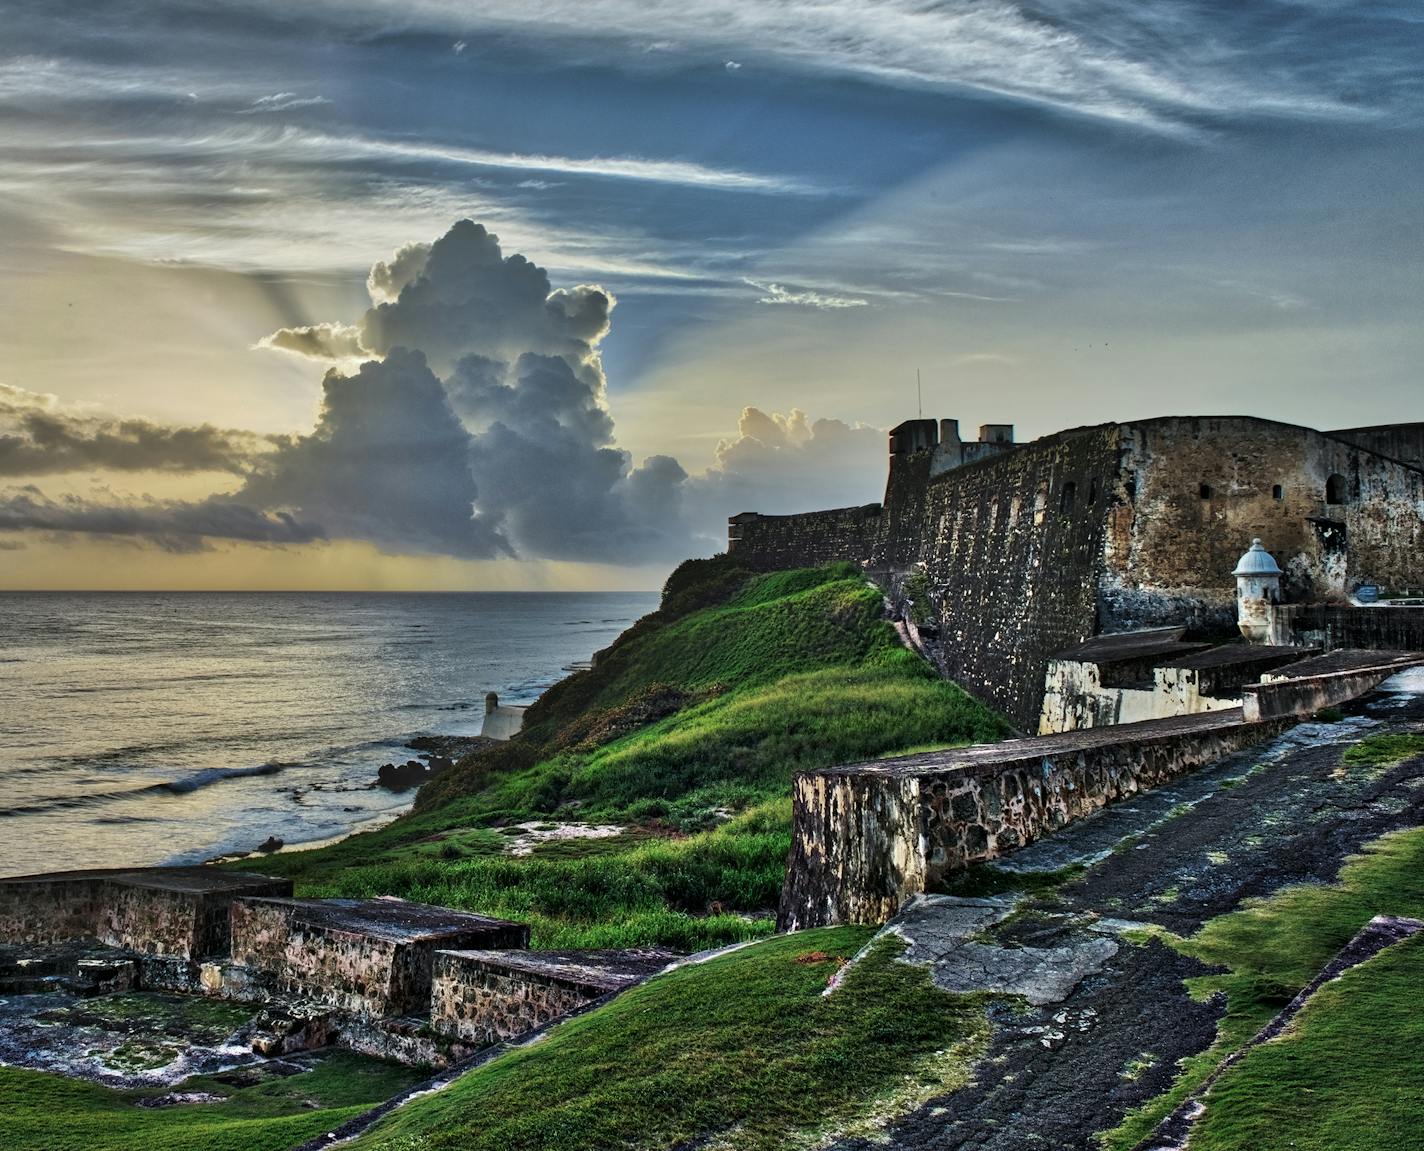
402,777
450,747
271,843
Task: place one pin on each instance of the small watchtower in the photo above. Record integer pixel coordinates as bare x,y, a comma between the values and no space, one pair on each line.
1258,591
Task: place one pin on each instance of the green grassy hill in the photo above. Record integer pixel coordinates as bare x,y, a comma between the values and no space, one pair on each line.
685,734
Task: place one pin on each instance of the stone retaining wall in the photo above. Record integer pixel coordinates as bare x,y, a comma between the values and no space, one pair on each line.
486,996
868,836
371,957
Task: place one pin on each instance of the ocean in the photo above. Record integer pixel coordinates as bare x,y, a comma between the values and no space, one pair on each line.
149,728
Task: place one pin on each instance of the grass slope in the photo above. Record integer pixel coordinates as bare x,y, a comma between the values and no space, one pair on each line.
1272,948
765,675
41,1112
743,1050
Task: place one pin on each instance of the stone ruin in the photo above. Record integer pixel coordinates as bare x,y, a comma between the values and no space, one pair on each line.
385,976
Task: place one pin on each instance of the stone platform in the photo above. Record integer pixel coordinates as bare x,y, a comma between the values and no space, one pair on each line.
486,996
372,957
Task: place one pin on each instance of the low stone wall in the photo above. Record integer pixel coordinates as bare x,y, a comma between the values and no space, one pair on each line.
485,996
1305,695
371,957
181,912
868,836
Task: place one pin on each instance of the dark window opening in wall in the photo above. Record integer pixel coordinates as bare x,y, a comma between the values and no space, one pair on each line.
1206,491
1131,489
1335,489
1070,493
1093,491
1277,492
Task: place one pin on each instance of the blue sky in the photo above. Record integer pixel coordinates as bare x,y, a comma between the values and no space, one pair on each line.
1061,213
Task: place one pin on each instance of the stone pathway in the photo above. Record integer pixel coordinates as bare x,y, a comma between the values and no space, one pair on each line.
1092,1025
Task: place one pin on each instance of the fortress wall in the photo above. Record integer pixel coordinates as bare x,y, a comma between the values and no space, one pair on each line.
1200,489
1012,551
772,543
1402,442
1333,626
1384,521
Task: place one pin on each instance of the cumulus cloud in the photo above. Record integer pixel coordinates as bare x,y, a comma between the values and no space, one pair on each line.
470,298
41,436
388,277
788,463
477,427
545,456
319,341
387,462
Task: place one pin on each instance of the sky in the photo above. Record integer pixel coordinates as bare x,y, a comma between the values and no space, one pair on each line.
434,295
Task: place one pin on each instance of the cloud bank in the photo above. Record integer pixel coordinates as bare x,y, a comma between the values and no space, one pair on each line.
476,426
40,436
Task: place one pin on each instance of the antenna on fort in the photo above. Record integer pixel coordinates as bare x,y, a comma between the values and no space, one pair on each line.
919,395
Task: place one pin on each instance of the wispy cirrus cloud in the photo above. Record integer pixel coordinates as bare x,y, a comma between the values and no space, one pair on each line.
1149,63
281,102
780,294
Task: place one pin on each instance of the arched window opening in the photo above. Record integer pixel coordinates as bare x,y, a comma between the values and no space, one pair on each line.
1277,492
1206,491
1070,494
1335,489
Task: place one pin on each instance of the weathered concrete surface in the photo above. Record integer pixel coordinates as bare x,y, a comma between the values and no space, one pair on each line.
940,932
486,996
868,836
177,911
367,956
1280,814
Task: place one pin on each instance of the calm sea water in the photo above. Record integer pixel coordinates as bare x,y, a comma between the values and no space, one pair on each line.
143,728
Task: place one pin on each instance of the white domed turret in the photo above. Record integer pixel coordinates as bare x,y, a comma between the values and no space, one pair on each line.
1258,590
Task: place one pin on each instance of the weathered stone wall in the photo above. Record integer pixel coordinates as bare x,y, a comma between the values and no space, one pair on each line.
772,543
1333,626
182,912
52,908
1402,442
355,954
353,972
1202,488
1302,695
483,1003
1106,529
869,836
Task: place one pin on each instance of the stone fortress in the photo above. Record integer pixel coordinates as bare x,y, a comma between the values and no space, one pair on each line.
1139,599
1088,585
